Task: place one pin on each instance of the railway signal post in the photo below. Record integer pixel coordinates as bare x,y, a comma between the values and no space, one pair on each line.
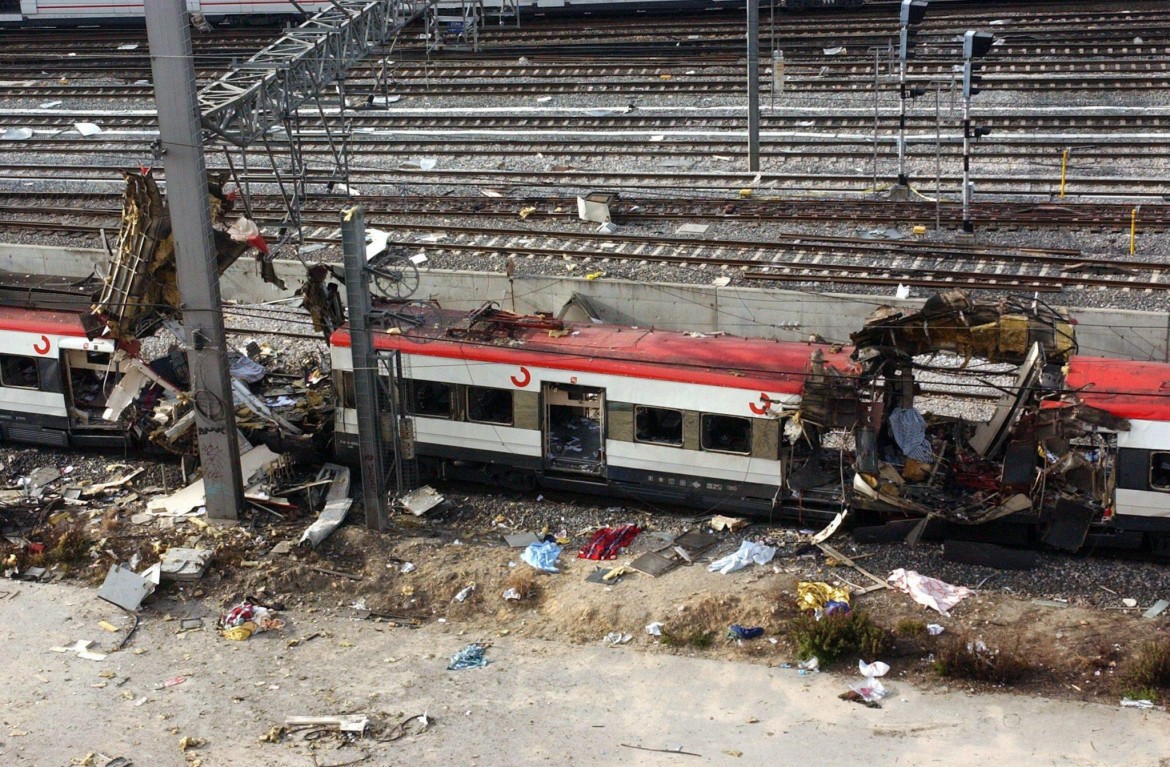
912,13
181,144
975,46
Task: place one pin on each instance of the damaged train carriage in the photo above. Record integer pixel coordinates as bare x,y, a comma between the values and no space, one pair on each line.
1069,452
800,430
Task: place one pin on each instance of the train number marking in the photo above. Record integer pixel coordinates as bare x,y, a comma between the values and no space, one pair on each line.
757,409
37,347
524,379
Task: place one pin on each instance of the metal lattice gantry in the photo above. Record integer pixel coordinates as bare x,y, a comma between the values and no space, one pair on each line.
256,95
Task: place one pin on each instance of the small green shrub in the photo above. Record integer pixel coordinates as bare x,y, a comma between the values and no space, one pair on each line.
837,637
909,627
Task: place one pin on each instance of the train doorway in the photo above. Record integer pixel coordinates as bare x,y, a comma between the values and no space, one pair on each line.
574,429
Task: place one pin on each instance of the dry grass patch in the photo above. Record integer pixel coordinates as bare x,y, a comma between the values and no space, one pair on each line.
958,657
1146,673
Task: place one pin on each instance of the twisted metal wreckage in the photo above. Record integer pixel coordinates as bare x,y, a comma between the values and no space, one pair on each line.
140,294
1045,458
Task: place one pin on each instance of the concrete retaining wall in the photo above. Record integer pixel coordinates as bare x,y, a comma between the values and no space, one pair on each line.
783,314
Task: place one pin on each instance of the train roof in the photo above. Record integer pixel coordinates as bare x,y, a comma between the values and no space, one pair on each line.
47,321
640,352
1124,388
48,292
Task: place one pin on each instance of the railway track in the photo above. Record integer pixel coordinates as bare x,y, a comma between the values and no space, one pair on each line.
1043,186
105,211
793,259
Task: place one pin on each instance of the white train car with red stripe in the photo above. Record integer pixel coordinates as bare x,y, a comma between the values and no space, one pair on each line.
54,380
625,411
77,11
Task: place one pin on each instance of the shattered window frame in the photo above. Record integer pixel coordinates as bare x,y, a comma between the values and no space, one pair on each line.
474,394
705,430
344,387
419,387
6,363
1163,470
639,410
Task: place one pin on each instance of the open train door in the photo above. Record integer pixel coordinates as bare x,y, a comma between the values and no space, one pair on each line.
573,429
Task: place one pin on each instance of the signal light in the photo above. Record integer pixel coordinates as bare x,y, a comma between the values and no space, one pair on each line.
912,14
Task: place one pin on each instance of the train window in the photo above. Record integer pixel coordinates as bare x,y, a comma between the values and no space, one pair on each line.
1160,471
658,425
19,372
430,398
485,405
726,434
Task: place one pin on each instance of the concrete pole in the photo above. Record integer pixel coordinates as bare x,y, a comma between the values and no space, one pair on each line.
753,84
180,137
902,180
968,226
365,368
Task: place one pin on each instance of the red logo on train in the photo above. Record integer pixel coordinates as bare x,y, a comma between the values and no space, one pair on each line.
37,347
524,379
758,410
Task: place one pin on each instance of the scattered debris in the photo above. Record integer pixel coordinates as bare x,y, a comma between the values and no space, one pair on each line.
420,501
683,548
1157,609
180,564
246,619
1136,703
820,596
542,556
464,593
521,540
749,552
337,505
929,592
608,542
616,638
720,523
355,723
471,656
594,206
127,589
654,629
736,631
80,648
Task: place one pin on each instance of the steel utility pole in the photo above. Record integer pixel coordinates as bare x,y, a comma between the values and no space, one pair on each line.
365,373
912,12
753,84
172,65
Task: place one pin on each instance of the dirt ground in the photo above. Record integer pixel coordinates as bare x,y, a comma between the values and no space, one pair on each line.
538,701
554,691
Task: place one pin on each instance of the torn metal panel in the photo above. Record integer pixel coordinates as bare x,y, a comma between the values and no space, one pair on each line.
183,501
990,437
141,290
249,400
952,322
420,501
337,505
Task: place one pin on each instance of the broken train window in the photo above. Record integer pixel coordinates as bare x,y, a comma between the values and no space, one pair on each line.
430,398
1160,471
343,383
486,405
658,425
727,434
19,371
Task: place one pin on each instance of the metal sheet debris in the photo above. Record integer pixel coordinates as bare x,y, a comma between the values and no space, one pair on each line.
419,502
126,588
180,564
337,505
